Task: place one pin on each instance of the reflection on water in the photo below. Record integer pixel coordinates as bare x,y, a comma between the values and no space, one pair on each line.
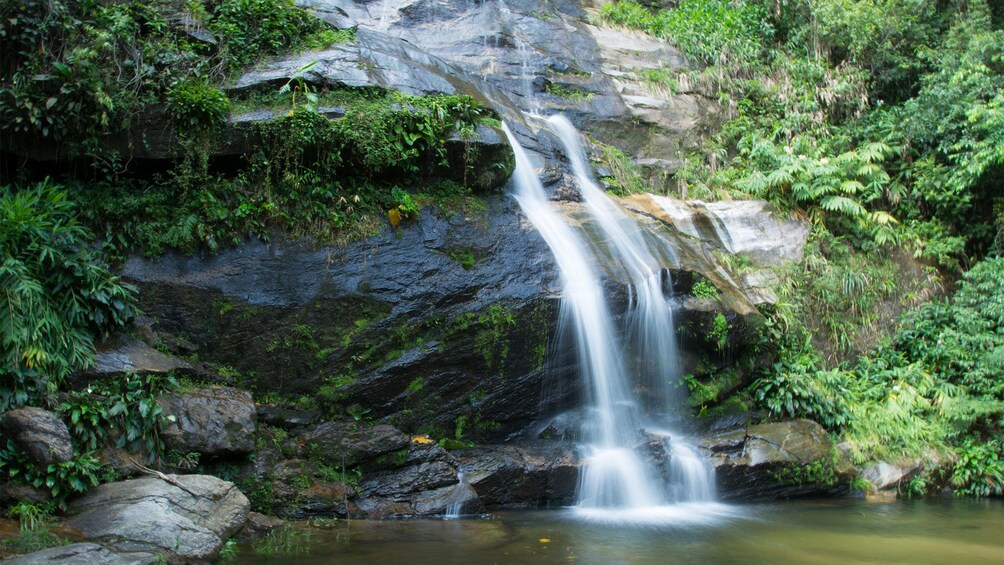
923,531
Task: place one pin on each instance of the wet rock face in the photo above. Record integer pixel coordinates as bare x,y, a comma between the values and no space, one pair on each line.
522,476
40,433
446,317
777,460
211,421
547,57
189,521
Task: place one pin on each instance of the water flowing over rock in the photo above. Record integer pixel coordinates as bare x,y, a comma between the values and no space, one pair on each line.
40,433
189,521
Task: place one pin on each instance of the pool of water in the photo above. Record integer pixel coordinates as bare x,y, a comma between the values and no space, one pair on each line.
942,530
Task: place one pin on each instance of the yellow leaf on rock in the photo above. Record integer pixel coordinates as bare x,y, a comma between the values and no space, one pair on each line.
394,215
422,439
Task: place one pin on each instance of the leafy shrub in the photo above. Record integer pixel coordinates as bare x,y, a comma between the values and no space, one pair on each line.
62,480
57,295
704,289
979,470
708,30
252,28
794,388
126,407
196,105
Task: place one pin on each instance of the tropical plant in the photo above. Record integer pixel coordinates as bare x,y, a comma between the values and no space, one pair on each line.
56,294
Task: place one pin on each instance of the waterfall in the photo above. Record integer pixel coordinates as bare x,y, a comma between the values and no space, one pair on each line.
650,318
617,482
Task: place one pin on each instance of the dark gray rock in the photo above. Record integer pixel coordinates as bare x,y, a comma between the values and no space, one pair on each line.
84,554
436,502
299,491
258,526
287,417
777,460
522,476
189,523
122,354
211,421
385,315
13,492
40,433
345,444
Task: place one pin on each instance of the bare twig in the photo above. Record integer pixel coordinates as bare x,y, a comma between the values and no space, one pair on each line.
171,480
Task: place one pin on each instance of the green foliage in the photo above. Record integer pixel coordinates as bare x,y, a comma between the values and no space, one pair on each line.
979,471
627,178
492,339
568,92
719,333
62,480
704,289
795,388
466,257
707,30
197,105
936,385
126,407
828,189
57,295
34,533
250,29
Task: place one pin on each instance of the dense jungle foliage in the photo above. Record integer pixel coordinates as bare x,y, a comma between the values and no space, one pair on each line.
77,80
880,122
883,124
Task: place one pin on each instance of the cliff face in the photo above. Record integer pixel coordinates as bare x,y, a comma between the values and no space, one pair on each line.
454,316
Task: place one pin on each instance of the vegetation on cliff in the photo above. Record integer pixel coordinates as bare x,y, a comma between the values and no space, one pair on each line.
78,80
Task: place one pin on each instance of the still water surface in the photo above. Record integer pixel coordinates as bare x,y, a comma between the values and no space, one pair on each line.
942,530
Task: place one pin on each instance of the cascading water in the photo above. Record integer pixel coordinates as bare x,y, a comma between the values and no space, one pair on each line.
616,477
616,482
650,319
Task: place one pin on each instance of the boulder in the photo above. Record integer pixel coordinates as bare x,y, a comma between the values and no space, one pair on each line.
212,421
435,502
522,476
885,476
122,354
346,444
189,519
777,460
40,433
84,554
258,526
295,489
286,416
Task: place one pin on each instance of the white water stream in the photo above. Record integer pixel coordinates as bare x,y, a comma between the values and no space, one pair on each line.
617,482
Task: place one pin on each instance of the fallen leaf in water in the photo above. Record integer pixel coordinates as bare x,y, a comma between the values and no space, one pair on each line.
545,540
